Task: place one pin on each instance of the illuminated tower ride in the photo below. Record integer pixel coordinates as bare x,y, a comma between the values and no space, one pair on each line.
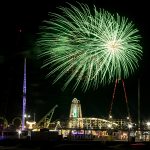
75,117
126,100
24,97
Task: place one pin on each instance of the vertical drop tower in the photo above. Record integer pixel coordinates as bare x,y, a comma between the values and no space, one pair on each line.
24,97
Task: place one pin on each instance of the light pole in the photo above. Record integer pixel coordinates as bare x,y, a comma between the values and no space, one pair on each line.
34,117
148,127
129,128
26,116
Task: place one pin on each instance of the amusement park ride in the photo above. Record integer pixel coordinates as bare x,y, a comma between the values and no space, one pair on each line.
126,100
46,120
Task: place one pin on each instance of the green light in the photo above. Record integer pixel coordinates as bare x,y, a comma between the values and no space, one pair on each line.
75,112
91,47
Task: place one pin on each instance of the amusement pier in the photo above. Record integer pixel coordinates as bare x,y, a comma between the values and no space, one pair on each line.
76,127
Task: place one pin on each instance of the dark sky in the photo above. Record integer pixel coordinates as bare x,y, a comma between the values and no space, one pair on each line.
41,94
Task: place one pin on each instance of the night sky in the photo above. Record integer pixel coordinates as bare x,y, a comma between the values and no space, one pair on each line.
42,95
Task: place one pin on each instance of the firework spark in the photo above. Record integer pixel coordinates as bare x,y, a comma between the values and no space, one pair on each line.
92,47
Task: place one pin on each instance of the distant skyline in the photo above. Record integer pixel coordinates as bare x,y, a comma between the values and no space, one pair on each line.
42,95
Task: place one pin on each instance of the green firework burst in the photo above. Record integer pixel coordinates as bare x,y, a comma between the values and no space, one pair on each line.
92,47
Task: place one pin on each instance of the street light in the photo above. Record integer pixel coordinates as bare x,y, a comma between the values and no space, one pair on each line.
148,127
26,116
109,126
128,118
129,128
110,116
148,124
19,133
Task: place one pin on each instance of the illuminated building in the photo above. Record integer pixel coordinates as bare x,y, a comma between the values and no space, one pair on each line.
75,117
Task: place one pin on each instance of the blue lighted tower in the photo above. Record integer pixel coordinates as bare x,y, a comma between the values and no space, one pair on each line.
24,97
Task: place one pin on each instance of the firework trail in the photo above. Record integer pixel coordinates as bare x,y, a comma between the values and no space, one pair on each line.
93,47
